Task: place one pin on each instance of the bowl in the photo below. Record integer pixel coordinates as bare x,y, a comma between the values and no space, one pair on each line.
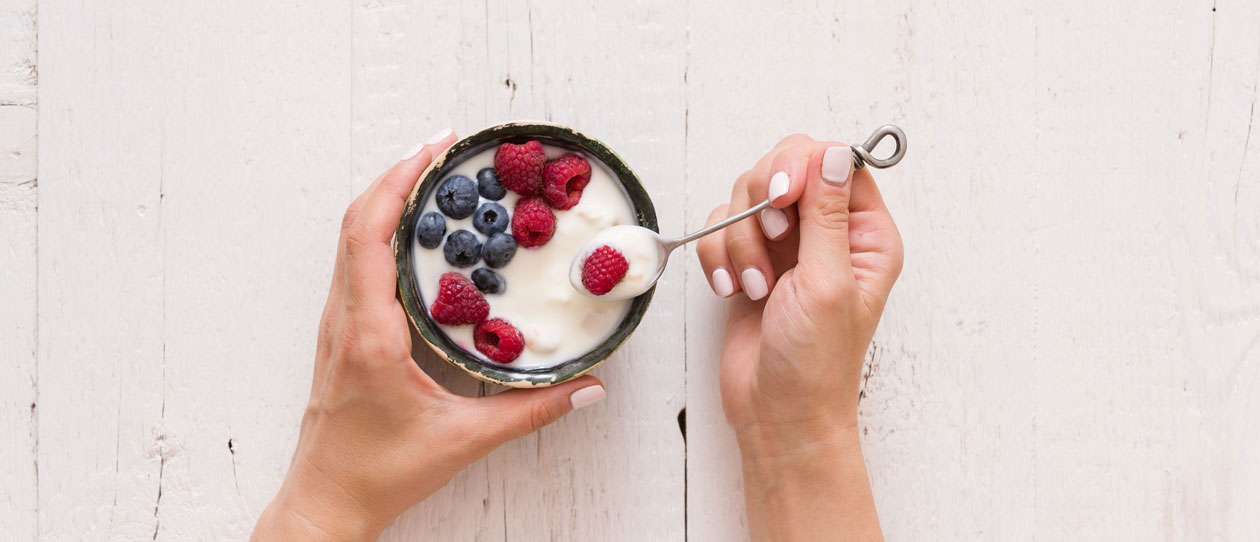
409,291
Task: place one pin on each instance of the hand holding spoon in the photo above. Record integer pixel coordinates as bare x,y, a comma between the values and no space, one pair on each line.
648,252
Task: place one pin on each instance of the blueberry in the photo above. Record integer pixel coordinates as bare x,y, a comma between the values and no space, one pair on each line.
489,186
431,229
457,196
499,250
462,248
488,281
490,218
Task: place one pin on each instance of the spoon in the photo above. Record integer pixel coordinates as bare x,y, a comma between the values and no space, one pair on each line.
648,252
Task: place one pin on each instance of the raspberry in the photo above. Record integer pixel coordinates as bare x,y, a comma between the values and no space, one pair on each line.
603,269
520,167
564,179
533,223
498,340
458,301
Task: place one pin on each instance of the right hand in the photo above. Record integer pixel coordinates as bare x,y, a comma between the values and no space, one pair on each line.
816,270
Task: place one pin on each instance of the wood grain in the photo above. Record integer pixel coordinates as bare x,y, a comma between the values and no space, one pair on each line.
18,311
1071,352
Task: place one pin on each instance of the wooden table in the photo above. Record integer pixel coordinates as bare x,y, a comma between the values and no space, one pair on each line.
1071,353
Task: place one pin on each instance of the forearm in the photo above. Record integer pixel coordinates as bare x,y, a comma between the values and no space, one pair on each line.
807,487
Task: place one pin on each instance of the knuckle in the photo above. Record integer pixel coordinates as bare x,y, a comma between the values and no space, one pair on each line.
718,213
832,214
350,215
356,240
540,413
794,139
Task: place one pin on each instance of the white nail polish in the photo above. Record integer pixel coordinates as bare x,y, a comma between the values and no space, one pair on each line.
722,284
837,165
438,137
773,222
587,396
754,283
779,184
413,152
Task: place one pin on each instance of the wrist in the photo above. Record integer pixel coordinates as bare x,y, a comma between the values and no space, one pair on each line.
802,436
806,485
306,515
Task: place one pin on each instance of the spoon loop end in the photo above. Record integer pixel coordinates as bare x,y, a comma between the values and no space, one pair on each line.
862,156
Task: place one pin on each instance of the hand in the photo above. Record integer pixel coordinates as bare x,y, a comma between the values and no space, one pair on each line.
379,435
816,270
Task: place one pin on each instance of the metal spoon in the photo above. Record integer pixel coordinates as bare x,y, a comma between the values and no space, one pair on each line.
645,246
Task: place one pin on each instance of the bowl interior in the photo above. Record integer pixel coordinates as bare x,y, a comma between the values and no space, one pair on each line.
514,132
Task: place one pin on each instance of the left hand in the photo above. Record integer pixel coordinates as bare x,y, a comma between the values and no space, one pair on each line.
379,435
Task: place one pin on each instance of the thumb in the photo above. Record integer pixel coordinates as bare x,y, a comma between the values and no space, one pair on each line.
824,214
516,413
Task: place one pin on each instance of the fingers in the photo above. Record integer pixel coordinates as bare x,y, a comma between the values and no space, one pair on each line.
746,246
369,262
823,211
516,413
711,250
874,242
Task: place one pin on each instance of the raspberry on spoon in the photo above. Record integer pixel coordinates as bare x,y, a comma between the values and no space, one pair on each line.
603,269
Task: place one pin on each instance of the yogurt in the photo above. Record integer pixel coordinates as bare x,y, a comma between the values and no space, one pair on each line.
642,250
558,322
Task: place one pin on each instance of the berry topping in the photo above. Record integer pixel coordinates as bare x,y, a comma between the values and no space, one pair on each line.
490,218
498,340
603,269
458,302
457,196
533,223
488,185
431,229
564,179
498,250
520,167
488,281
462,248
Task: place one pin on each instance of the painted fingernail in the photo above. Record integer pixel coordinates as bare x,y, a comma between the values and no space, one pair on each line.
837,165
722,285
587,396
413,152
439,137
779,184
774,222
754,283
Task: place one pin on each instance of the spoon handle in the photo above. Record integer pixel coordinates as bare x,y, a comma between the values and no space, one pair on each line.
671,245
861,158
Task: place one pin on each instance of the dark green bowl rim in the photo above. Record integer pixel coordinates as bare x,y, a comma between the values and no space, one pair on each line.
409,291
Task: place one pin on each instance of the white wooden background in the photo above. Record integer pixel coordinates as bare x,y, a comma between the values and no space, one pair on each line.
1071,354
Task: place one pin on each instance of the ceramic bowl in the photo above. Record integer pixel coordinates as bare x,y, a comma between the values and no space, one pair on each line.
409,290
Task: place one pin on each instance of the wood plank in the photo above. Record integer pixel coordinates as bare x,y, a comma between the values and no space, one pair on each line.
257,172
101,277
18,273
193,192
615,471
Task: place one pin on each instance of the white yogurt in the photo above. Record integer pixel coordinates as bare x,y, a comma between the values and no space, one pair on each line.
642,251
559,324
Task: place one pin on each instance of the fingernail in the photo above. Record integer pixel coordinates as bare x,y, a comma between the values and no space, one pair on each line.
837,165
779,184
413,152
754,283
587,396
722,285
774,222
438,137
